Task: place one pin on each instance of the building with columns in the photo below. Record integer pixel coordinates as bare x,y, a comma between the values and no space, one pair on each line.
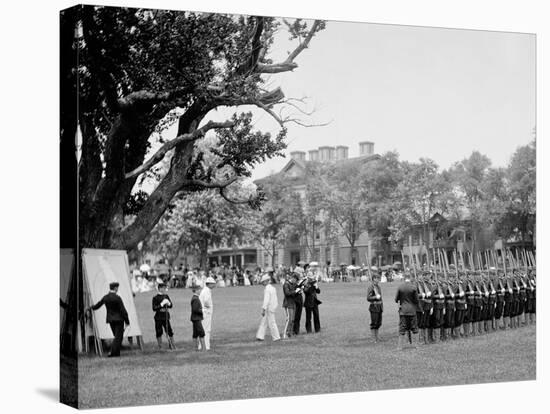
323,247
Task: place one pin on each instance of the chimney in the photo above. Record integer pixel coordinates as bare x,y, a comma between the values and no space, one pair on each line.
366,148
326,153
314,155
298,155
341,152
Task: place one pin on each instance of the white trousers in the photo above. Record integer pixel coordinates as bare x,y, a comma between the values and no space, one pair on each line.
268,321
207,326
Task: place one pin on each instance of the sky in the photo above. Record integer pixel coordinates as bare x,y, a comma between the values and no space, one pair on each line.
424,92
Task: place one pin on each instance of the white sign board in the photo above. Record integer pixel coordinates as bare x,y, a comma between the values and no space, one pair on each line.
102,267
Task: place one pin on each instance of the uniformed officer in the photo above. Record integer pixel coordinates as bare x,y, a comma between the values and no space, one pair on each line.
426,309
532,296
449,310
469,323
491,303
479,308
514,311
407,297
522,299
508,293
374,296
499,307
117,316
460,308
436,321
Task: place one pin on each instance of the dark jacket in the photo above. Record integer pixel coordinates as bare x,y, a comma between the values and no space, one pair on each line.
311,292
196,309
376,305
289,290
116,312
438,296
161,312
460,296
407,297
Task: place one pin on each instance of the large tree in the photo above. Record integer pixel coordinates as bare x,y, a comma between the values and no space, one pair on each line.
137,70
195,223
518,218
271,224
420,194
470,177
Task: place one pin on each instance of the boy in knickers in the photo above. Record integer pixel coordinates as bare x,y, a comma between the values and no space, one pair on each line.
196,318
161,304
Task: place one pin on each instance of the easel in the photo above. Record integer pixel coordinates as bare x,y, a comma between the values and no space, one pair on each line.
87,303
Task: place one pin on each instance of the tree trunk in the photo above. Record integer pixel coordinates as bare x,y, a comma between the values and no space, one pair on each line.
273,254
204,254
352,248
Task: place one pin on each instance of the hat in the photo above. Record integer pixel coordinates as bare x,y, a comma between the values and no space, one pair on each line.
161,285
299,270
314,264
113,285
210,279
264,278
269,269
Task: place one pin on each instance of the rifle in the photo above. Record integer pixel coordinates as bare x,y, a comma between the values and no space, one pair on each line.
533,259
442,263
503,262
413,264
462,260
456,262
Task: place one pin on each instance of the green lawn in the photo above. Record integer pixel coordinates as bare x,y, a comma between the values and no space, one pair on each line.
342,358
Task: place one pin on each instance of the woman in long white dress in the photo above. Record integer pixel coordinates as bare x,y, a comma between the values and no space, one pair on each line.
220,281
246,278
190,279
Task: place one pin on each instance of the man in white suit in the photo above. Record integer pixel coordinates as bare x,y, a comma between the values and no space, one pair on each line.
207,309
268,311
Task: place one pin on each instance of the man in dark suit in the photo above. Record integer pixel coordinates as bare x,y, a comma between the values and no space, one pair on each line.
290,290
407,297
117,316
298,301
311,304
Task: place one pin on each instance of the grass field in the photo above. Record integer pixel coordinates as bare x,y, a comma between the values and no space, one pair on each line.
341,358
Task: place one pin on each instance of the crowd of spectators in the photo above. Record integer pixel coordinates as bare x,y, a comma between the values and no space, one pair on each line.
145,277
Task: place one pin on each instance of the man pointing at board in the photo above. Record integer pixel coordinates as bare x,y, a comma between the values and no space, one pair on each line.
117,317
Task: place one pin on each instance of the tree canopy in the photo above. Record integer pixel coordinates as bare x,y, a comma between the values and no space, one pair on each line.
137,71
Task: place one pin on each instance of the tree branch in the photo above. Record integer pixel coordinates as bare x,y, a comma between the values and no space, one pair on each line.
209,184
147,97
231,200
289,64
192,136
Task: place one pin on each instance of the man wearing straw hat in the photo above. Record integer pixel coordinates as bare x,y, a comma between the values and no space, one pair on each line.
117,316
207,309
269,306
